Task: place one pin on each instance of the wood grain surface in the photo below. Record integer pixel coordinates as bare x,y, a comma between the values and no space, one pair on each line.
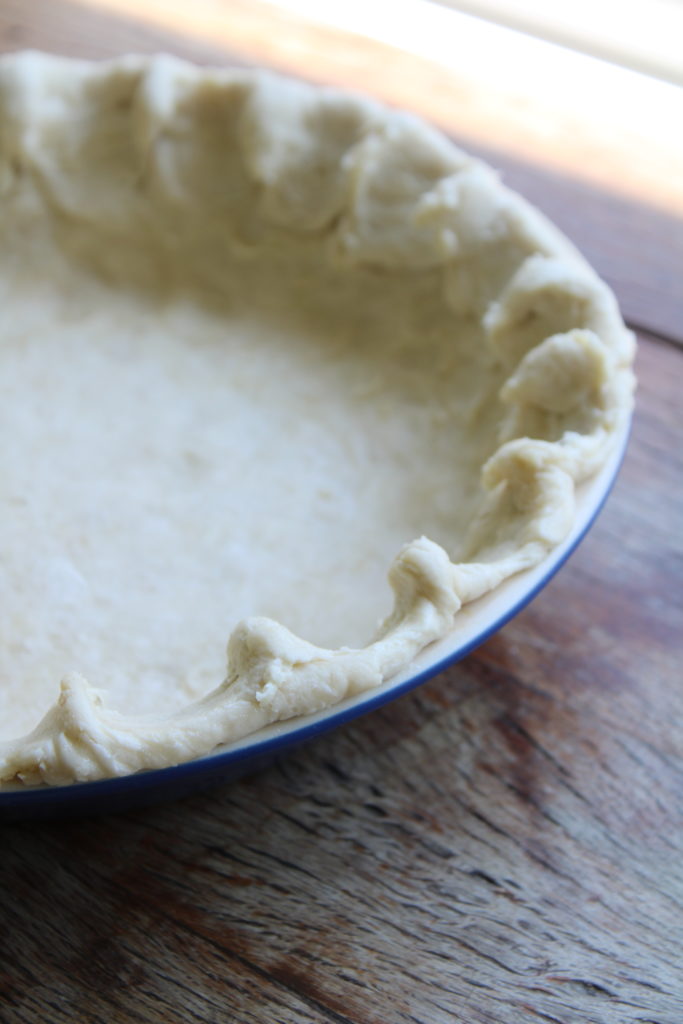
502,846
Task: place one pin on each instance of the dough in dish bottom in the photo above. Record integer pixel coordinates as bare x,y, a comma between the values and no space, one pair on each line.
256,336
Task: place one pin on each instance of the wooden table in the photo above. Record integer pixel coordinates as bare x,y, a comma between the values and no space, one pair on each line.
502,846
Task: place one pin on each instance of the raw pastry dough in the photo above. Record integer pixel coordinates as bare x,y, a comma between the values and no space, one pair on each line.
255,336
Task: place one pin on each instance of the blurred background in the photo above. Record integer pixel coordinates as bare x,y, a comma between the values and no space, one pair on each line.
645,35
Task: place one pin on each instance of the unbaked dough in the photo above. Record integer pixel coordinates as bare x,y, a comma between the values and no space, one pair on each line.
255,337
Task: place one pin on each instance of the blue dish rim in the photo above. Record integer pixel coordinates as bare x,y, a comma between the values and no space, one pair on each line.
31,801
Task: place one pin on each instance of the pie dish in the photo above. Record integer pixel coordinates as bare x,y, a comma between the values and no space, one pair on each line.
262,343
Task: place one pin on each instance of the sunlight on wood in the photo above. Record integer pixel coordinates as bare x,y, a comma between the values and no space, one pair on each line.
641,34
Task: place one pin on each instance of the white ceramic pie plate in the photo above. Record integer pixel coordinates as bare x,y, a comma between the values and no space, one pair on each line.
364,220
474,624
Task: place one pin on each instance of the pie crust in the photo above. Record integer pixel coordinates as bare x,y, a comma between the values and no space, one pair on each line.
255,337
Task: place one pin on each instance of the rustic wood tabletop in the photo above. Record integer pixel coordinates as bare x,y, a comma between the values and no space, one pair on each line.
504,844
